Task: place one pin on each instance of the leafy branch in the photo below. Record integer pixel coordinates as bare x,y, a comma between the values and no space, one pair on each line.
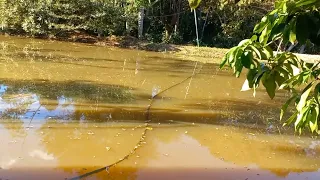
292,22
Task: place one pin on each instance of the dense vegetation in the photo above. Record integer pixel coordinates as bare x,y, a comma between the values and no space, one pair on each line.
295,22
222,23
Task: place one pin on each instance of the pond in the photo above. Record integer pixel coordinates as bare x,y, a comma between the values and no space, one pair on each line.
76,111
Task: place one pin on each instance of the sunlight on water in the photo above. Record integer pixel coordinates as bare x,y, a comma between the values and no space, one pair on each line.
68,110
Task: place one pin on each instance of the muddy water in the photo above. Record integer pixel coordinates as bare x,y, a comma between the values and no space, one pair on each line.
71,110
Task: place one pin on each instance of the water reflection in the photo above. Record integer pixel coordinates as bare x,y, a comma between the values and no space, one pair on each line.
69,109
205,152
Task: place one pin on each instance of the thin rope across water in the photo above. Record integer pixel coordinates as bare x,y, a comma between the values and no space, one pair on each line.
147,127
32,117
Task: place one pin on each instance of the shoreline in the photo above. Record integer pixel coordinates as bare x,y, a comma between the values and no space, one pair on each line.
183,51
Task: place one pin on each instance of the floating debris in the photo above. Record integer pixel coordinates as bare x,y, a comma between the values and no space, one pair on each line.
90,133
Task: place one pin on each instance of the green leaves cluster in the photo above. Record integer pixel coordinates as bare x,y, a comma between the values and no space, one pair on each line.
292,21
43,17
194,4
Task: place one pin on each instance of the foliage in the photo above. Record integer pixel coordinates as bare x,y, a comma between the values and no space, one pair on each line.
295,22
221,23
41,17
194,4
232,22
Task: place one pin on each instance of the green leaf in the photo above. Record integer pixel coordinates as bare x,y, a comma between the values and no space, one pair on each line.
288,82
279,79
231,55
246,59
262,25
268,81
289,32
267,52
250,81
279,4
284,7
301,116
317,93
313,119
305,2
254,38
194,4
245,42
292,35
256,81
238,65
288,67
239,70
304,96
263,39
291,118
251,77
277,31
223,62
285,106
283,73
256,51
306,77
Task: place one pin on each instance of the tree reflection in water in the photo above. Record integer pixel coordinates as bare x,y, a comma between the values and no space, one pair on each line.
76,127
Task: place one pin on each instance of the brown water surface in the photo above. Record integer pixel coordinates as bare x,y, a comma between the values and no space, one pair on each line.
70,110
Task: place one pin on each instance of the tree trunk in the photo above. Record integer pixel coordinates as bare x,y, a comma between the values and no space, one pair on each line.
196,24
302,48
178,17
140,23
204,24
176,27
168,31
126,24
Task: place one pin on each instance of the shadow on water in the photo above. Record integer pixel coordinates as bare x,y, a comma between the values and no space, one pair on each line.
45,89
87,96
103,102
71,120
24,100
